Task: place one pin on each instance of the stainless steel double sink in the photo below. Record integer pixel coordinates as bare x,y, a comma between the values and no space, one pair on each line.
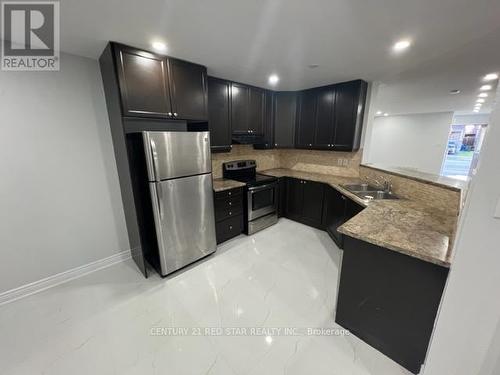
368,192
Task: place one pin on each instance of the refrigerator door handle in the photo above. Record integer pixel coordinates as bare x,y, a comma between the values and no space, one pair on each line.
154,160
160,202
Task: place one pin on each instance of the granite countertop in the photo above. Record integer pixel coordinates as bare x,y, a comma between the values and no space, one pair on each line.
221,184
398,225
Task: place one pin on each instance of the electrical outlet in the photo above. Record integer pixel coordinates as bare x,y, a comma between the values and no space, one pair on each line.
346,162
497,210
339,162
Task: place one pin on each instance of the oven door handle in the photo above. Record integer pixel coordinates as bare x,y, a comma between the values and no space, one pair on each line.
262,187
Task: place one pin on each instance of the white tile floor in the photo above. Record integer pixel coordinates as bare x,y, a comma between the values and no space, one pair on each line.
284,276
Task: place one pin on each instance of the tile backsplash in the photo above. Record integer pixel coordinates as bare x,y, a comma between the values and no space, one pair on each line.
265,159
330,162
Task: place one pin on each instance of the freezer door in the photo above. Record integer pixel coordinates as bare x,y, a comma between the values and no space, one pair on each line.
176,154
184,220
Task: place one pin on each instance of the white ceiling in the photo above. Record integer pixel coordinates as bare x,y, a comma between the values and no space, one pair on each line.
246,40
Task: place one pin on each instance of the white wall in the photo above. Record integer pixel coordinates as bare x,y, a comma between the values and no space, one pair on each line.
60,204
467,335
416,141
475,119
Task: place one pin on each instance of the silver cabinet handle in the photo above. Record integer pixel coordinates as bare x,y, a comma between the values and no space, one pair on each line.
230,203
229,193
170,113
175,114
230,213
230,227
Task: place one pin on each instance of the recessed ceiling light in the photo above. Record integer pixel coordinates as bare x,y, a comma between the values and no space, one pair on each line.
485,88
483,95
490,77
454,92
273,79
401,45
313,66
480,100
475,110
159,46
379,113
386,114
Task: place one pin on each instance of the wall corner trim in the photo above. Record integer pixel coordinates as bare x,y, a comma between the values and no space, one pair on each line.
61,278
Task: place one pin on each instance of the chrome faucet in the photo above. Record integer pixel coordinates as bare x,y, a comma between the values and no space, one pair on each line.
385,184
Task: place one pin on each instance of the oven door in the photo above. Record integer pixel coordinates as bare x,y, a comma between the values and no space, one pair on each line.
262,200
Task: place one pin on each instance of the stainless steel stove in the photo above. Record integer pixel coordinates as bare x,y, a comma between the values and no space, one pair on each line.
261,194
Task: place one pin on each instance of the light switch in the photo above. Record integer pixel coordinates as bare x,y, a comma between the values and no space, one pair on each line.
497,210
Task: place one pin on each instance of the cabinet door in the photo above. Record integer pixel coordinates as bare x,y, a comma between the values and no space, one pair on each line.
348,113
306,119
188,86
256,105
334,214
282,198
143,83
239,108
351,209
218,114
269,119
285,112
295,198
325,126
312,207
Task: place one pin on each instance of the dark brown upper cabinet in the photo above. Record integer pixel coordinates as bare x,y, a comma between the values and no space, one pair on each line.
247,109
324,131
306,119
331,117
188,88
285,111
256,110
143,83
219,115
348,115
267,140
240,95
153,85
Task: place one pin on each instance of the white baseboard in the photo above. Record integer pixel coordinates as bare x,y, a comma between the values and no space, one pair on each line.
63,277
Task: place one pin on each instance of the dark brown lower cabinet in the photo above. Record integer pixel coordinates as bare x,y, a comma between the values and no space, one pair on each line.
389,300
229,228
337,210
304,201
281,196
228,214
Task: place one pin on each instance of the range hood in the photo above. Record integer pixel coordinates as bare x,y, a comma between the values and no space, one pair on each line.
247,139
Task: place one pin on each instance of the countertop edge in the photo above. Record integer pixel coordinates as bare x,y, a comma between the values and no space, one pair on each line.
282,172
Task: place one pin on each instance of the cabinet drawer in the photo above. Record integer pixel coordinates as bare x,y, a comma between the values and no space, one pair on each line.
229,228
225,208
228,193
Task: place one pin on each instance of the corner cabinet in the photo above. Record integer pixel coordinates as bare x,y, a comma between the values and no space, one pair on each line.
155,86
305,201
337,210
331,117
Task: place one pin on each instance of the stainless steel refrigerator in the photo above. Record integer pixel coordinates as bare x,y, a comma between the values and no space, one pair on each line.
180,182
